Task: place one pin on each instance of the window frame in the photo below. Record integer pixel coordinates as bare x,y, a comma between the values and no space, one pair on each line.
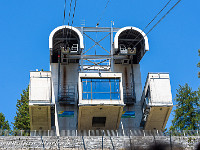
110,92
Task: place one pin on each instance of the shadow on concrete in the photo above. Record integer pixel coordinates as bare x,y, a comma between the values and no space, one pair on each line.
198,147
159,146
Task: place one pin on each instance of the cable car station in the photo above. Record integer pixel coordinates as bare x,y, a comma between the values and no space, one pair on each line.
96,84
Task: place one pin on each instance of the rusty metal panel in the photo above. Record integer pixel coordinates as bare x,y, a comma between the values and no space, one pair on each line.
112,115
40,117
157,118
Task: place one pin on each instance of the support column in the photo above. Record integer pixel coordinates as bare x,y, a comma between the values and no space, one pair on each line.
111,49
82,53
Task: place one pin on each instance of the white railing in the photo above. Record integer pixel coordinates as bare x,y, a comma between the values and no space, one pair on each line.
99,133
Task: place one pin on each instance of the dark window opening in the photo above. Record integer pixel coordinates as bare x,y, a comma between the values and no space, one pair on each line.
52,116
64,60
131,42
67,39
98,121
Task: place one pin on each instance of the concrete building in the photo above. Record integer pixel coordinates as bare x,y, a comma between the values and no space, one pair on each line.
101,91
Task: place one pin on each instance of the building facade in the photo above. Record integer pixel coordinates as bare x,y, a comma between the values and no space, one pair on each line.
99,90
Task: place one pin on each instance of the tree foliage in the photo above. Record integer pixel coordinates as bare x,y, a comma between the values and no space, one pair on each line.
198,65
4,125
187,112
22,119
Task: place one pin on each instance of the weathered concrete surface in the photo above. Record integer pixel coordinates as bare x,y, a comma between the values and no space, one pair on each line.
95,142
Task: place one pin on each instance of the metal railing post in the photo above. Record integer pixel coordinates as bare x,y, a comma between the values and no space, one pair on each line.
170,140
112,143
144,132
83,143
102,139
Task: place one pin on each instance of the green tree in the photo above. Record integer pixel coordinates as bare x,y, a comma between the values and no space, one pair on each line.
198,65
22,119
186,114
198,108
4,125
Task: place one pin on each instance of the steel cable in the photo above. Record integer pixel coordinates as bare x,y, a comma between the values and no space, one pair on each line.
158,22
74,12
69,11
102,13
153,18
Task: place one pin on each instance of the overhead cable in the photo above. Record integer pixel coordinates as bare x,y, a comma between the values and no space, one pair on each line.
64,12
154,18
102,13
158,22
69,11
74,12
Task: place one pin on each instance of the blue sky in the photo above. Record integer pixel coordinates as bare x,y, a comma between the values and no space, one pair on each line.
25,27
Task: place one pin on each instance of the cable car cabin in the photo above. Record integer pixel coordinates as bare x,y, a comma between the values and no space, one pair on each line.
157,101
100,101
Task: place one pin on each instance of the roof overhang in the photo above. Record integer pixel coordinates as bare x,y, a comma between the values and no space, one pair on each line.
65,27
146,48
